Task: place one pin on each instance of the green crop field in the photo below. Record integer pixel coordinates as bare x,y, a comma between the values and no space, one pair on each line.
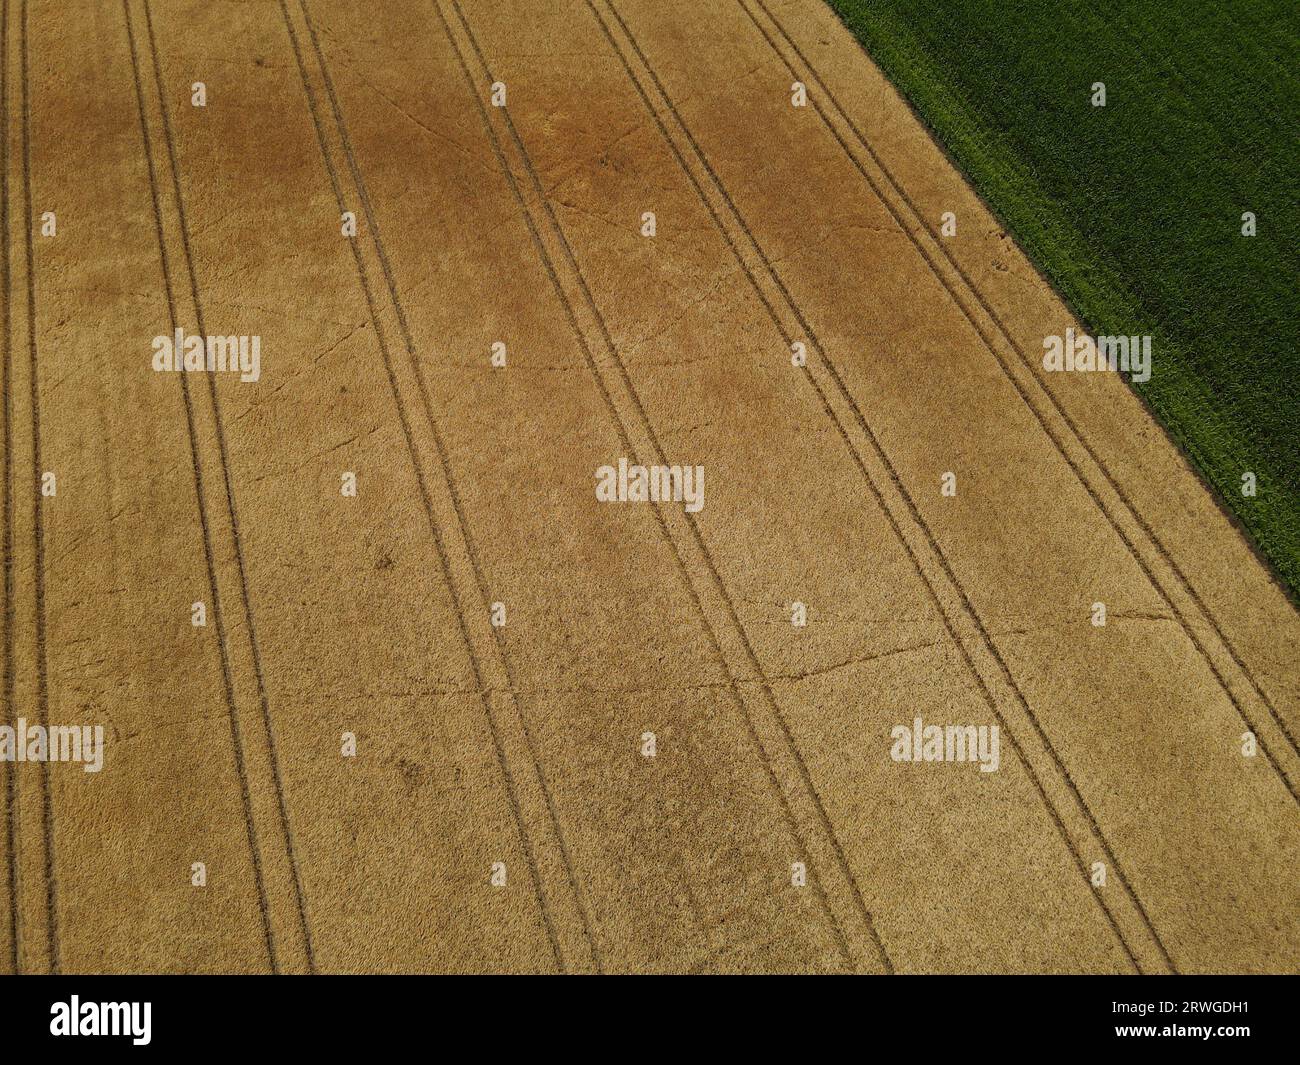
1135,210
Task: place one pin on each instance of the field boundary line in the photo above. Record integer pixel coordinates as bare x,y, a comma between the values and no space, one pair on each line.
893,478
821,818
471,548
38,514
236,730
481,689
1161,551
233,512
10,684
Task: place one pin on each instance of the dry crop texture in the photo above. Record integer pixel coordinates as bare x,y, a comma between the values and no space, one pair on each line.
384,685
